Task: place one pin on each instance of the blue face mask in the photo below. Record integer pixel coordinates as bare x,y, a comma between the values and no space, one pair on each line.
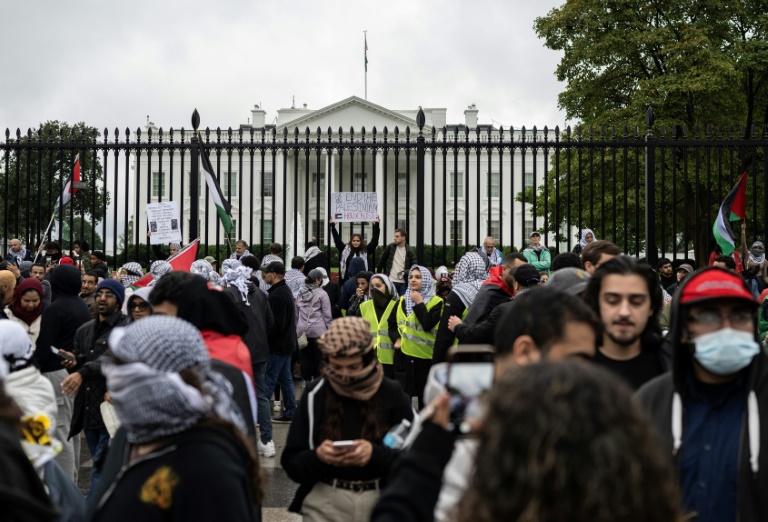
725,351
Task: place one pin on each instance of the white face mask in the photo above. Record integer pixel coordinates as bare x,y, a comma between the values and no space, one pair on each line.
725,351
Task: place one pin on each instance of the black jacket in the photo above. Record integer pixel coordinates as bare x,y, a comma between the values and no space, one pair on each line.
260,320
61,319
388,256
487,298
444,337
370,249
30,256
90,344
318,261
657,397
300,460
102,270
482,332
282,336
333,290
201,469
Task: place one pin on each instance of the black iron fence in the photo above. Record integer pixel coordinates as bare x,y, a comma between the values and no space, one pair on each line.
653,191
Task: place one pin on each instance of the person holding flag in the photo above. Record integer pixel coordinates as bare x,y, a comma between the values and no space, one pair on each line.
69,190
756,267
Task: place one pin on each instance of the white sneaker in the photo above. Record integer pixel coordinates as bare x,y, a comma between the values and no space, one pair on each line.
277,407
266,450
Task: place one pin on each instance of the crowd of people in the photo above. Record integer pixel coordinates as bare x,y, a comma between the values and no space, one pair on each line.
604,388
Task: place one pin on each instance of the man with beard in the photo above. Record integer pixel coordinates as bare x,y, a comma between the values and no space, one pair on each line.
87,291
665,273
38,272
627,297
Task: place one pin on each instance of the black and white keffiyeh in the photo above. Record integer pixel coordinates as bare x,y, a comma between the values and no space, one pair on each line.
238,277
202,268
135,272
427,289
150,397
158,269
471,271
229,264
20,255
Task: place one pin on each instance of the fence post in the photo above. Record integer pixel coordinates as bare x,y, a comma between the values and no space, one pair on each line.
194,180
420,189
651,253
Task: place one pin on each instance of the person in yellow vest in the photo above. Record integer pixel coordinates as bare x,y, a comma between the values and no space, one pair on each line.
377,312
413,329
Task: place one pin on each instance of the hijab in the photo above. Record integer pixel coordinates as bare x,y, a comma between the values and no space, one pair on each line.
427,289
757,255
473,272
381,300
583,241
28,285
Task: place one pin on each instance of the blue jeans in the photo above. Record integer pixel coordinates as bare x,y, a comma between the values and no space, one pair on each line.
98,443
262,401
401,288
279,371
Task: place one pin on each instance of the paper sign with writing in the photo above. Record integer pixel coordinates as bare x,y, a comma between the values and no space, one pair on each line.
163,222
354,206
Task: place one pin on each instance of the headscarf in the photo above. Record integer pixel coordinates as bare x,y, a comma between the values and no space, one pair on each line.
28,285
348,337
311,252
202,268
228,265
16,347
149,395
474,272
158,269
175,246
141,293
20,255
135,273
755,255
238,277
272,257
583,241
427,289
379,299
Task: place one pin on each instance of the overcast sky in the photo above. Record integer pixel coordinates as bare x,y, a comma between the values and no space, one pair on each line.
111,64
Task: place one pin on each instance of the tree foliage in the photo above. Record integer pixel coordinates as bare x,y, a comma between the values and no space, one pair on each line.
35,168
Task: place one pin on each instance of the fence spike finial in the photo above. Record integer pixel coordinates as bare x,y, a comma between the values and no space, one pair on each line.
195,120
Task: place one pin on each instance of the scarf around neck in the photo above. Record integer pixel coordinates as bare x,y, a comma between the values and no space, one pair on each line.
427,289
28,285
755,255
20,255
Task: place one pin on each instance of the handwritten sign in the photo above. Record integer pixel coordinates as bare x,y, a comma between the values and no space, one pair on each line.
163,223
354,206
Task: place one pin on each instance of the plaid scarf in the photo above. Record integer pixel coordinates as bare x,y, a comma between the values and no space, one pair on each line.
135,273
471,271
427,289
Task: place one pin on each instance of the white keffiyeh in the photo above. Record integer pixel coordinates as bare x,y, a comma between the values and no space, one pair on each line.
427,289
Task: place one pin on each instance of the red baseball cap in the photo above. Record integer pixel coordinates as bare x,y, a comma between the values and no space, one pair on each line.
715,284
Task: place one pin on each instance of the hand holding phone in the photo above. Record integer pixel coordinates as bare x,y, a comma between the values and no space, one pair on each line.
344,445
470,376
65,357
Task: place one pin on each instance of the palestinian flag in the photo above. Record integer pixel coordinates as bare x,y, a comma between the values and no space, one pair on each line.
181,261
734,208
223,208
68,191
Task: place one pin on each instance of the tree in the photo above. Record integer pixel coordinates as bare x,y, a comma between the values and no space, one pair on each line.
35,168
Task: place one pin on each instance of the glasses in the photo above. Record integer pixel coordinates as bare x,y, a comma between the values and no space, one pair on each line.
107,295
714,319
143,306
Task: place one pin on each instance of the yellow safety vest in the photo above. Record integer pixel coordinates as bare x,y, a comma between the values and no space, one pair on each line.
385,349
414,340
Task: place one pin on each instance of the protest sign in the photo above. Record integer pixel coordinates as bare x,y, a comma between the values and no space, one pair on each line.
354,206
163,222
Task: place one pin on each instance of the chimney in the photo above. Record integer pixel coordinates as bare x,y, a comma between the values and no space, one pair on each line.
258,116
470,116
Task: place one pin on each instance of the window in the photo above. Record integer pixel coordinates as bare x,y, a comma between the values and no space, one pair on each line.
268,186
401,185
457,232
158,184
359,182
528,228
267,237
234,228
229,184
528,178
495,185
494,229
401,223
456,180
318,231
313,188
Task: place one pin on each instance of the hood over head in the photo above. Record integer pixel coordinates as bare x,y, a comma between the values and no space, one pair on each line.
65,280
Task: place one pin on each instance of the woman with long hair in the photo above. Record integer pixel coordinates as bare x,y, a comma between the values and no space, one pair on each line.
353,405
313,317
355,247
180,453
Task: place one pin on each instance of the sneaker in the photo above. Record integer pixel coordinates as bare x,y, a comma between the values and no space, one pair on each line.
282,419
277,407
266,450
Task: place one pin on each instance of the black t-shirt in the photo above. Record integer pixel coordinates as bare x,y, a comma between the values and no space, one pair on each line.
636,371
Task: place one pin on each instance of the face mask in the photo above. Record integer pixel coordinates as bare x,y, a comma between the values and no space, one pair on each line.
379,299
725,351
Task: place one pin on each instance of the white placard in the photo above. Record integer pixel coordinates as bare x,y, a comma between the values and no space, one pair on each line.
163,222
354,206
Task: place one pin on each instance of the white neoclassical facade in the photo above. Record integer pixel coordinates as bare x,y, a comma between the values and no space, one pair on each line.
282,196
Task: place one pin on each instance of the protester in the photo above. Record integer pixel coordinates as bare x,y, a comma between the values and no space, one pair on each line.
357,247
683,271
349,289
627,297
566,260
214,263
52,253
537,254
181,436
313,317
362,293
130,273
99,264
664,268
7,286
572,281
58,324
138,305
24,268
202,268
597,253
241,250
37,270
495,290
86,381
333,290
83,254
471,271
726,262
275,254
87,290
396,260
314,258
295,277
26,308
717,251
444,282
707,409
413,328
587,237
352,402
377,311
158,269
17,253
495,257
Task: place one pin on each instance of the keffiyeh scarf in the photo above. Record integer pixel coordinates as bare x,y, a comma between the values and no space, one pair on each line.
20,255
135,273
229,264
238,277
427,289
757,255
202,268
158,269
466,283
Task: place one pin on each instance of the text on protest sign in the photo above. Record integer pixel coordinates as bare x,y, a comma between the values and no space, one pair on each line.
354,206
163,223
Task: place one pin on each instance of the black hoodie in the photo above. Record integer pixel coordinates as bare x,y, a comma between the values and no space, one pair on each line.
61,319
658,395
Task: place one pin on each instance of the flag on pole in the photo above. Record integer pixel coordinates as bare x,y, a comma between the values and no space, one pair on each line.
182,261
223,208
733,208
366,53
66,196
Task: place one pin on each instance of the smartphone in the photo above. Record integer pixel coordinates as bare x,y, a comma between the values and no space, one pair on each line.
470,376
344,445
61,355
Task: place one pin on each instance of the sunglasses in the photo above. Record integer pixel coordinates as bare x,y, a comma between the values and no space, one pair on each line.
143,306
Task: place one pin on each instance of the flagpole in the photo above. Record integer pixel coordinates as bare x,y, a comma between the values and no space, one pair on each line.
45,236
365,37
